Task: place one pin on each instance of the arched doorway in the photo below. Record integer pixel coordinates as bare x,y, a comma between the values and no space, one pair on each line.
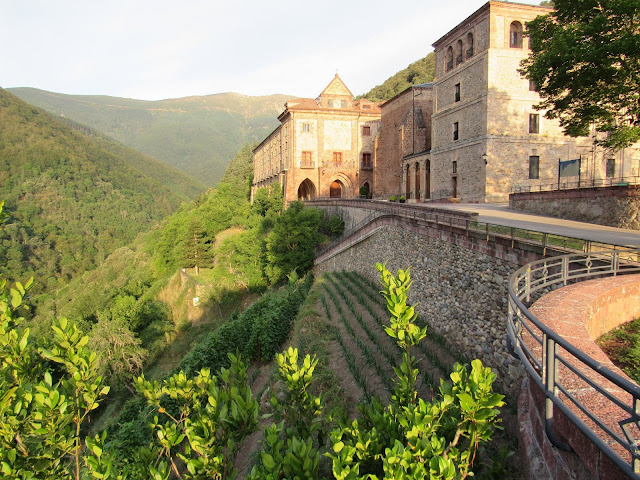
335,191
365,190
306,190
417,183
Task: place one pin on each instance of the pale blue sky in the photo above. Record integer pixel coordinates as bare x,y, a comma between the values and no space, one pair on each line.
166,49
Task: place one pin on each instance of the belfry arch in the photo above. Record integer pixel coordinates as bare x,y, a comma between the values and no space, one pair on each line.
307,190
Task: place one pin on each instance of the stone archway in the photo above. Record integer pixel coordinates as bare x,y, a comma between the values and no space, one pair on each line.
307,190
336,188
365,190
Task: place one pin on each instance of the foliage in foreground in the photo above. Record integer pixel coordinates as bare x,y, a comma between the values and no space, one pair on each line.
409,438
585,62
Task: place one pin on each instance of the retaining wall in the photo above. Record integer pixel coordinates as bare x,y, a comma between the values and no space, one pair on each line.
459,282
617,206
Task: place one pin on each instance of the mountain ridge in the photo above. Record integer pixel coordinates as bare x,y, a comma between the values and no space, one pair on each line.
196,134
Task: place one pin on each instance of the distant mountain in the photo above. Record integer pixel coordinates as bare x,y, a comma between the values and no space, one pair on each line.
73,198
198,135
422,71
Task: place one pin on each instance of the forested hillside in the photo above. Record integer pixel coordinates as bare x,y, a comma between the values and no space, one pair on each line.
418,72
198,135
72,199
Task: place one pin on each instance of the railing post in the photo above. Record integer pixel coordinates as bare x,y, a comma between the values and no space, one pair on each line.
615,262
565,269
527,284
550,374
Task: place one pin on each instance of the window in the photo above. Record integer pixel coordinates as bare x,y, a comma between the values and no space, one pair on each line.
366,107
455,130
366,161
337,158
611,167
306,127
534,123
457,92
515,35
532,86
343,104
307,160
534,167
449,59
366,131
454,167
469,45
330,103
459,48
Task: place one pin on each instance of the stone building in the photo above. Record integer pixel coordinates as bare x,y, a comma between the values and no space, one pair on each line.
486,136
324,147
402,154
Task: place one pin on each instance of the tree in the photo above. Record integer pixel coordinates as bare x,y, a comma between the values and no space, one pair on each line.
585,62
198,248
291,245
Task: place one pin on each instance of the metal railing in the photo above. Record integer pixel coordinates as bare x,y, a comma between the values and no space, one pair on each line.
604,405
576,185
460,220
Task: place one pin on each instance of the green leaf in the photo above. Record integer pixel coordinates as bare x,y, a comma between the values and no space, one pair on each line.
267,461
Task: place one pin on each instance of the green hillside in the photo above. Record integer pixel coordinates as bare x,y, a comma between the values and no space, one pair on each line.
198,135
73,198
418,72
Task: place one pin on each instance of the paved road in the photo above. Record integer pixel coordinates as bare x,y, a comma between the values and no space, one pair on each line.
501,214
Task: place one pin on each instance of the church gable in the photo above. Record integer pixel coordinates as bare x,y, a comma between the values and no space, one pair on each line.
336,95
337,87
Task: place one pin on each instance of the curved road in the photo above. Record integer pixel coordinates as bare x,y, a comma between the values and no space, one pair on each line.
501,214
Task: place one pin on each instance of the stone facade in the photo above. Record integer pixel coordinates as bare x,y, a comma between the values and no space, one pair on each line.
487,137
324,147
402,158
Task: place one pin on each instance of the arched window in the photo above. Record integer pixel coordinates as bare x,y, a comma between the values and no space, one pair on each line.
449,60
469,45
515,35
459,49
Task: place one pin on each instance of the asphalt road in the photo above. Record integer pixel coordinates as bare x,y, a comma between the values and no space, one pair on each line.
501,214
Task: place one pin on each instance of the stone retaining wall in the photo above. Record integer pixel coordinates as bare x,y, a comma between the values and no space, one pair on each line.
617,206
460,291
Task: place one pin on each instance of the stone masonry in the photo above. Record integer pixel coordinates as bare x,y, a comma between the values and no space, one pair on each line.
461,293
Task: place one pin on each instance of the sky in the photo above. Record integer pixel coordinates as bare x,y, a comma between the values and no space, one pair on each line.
159,49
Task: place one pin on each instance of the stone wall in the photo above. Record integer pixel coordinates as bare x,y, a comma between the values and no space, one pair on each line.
617,206
461,292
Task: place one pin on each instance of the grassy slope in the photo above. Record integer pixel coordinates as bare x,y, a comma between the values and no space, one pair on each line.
198,135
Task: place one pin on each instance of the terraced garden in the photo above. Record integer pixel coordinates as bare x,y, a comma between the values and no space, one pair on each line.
343,324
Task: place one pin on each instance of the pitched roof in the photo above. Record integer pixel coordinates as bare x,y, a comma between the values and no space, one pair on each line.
337,87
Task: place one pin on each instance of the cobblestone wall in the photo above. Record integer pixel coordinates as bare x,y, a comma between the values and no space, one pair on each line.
617,206
462,293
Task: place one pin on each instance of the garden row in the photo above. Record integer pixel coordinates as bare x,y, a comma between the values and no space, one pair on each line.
354,305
